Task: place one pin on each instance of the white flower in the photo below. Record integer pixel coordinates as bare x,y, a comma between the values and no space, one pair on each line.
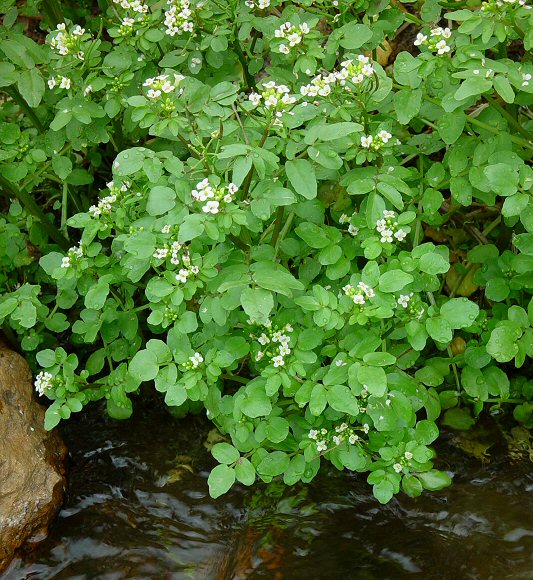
387,213
43,381
321,445
65,83
353,230
420,39
260,354
166,229
78,30
384,136
161,253
397,467
284,49
403,300
52,83
278,361
255,98
211,207
338,439
352,439
400,235
65,262
366,141
408,455
366,428
232,189
358,299
442,47
182,275
526,77
263,339
313,434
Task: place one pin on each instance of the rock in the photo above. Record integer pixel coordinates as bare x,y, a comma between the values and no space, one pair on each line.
32,474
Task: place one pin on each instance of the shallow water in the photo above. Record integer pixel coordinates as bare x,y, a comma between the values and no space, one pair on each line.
124,517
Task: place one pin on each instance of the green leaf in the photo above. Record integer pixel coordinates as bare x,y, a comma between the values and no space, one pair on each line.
434,479
257,303
225,453
129,161
161,200
31,86
273,464
502,344
144,366
383,491
245,471
220,480
374,378
502,178
341,398
459,312
450,126
394,280
426,432
439,329
301,175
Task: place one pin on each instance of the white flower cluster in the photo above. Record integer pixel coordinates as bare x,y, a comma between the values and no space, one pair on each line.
66,43
343,432
261,4
179,254
414,307
74,253
63,82
345,219
353,73
213,196
398,467
275,97
292,34
194,361
178,17
377,142
43,382
359,294
134,5
274,341
388,228
161,84
105,204
404,299
436,41
498,6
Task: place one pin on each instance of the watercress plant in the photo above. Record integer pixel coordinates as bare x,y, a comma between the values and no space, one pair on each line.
311,219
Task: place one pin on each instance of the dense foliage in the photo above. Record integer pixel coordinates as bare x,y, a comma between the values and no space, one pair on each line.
236,201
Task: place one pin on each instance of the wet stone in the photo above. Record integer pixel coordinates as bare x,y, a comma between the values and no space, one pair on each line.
32,476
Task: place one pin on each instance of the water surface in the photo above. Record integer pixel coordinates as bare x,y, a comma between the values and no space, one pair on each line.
138,508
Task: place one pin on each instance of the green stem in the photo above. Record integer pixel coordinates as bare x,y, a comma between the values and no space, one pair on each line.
29,203
248,78
283,233
21,102
277,227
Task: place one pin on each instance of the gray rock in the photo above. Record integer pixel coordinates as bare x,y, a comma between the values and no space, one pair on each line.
32,474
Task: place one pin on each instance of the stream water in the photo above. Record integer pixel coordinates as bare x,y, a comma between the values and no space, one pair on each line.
138,507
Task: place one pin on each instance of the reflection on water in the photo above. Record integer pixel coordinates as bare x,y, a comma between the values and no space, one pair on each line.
138,508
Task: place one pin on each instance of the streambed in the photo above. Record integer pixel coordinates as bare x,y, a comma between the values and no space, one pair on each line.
138,507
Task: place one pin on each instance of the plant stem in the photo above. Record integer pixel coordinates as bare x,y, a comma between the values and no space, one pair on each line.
284,231
29,203
21,102
277,226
